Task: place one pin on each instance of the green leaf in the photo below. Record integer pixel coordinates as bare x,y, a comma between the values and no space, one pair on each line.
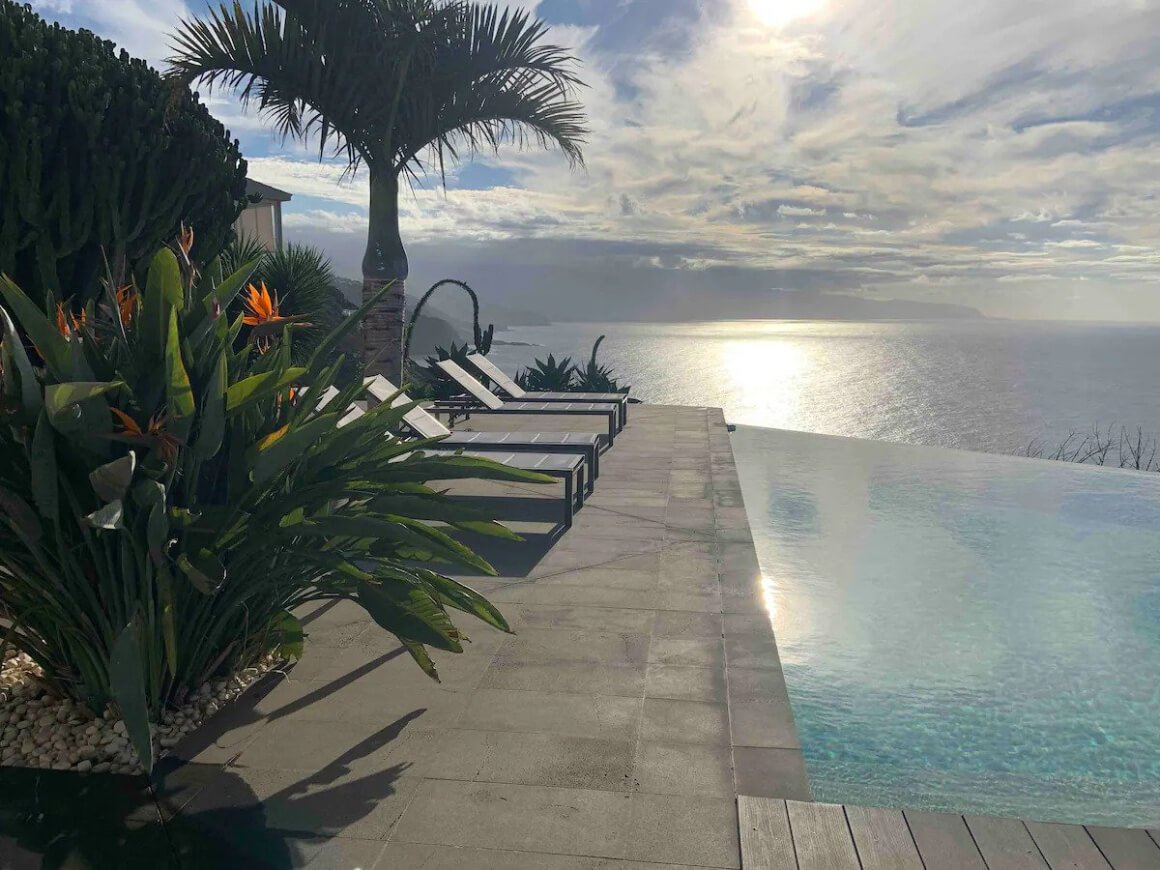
168,627
409,612
111,480
204,571
422,658
148,493
225,292
45,485
273,457
107,517
455,594
162,291
288,635
157,532
30,396
178,392
212,423
21,517
257,387
442,510
127,682
50,344
58,398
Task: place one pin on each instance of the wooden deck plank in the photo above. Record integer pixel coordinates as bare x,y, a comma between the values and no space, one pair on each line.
882,839
766,842
1067,847
1125,848
1005,843
944,842
821,836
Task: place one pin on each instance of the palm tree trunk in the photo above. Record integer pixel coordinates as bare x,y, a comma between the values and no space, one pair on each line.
385,261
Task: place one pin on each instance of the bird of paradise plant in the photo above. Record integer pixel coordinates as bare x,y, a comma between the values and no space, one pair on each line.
138,560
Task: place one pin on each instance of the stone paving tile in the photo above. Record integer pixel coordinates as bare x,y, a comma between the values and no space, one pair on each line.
754,684
683,768
538,646
608,717
325,803
532,759
779,773
685,683
669,721
756,650
683,623
705,652
602,578
517,818
573,677
343,853
614,619
682,828
763,723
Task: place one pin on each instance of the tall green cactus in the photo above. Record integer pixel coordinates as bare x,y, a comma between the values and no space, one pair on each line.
100,158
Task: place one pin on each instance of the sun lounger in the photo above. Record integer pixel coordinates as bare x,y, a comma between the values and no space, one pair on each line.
568,467
481,400
425,425
510,388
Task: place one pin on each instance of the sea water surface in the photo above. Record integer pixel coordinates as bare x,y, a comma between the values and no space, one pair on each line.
993,386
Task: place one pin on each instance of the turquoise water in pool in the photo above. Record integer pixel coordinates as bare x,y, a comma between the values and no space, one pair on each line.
963,631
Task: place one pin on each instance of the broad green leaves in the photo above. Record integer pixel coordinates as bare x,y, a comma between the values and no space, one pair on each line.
127,682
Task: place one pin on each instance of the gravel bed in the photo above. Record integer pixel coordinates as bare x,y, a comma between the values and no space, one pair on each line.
42,731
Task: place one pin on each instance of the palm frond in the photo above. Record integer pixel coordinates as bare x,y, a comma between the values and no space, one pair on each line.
398,83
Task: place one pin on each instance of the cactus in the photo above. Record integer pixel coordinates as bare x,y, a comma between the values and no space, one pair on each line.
101,159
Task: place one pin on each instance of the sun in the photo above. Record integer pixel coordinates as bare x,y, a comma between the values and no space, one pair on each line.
779,13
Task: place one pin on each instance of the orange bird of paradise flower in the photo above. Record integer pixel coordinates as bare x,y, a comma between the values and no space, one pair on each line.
185,240
153,435
126,303
261,313
68,324
261,307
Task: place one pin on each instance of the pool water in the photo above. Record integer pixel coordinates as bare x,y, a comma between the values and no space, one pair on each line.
963,631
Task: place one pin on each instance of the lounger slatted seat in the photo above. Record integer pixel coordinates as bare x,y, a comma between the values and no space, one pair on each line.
481,400
425,425
568,467
510,388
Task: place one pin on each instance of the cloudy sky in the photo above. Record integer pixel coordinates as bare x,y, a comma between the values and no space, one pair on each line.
999,153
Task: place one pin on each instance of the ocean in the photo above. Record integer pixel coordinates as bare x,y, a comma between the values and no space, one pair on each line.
993,386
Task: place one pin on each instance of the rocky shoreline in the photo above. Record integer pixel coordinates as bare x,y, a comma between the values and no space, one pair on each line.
41,731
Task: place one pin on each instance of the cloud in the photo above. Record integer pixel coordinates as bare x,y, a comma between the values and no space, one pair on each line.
992,153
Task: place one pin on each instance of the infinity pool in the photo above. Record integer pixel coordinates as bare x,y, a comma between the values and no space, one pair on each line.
962,631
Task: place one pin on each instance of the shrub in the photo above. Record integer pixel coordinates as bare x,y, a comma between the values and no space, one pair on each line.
100,157
168,498
548,375
307,288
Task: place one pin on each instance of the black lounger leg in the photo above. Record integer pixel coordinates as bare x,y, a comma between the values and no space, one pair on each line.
612,426
569,506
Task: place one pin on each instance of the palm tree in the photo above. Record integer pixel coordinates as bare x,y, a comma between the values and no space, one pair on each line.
402,86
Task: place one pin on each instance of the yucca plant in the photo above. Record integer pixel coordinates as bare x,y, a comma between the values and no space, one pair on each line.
170,493
548,375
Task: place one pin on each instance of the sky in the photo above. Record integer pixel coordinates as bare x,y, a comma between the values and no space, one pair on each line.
1000,154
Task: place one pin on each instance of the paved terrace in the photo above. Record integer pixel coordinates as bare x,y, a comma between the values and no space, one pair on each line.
640,694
